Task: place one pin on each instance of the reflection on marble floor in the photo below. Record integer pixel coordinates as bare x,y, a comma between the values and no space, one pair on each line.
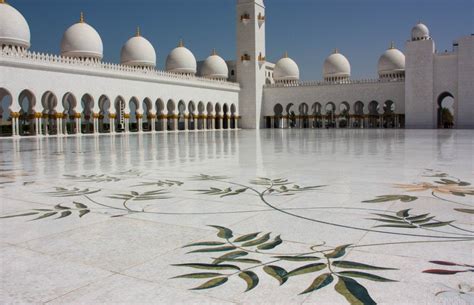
242,217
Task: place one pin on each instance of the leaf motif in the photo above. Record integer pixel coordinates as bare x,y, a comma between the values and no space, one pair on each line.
212,283
209,266
20,215
223,232
355,293
231,255
307,269
467,211
271,245
366,276
406,198
404,213
241,260
406,226
423,220
218,249
338,252
388,220
276,272
258,241
298,258
80,205
250,278
436,224
64,214
442,271
246,237
205,243
444,263
60,207
388,216
45,216
354,265
203,275
83,213
321,281
419,217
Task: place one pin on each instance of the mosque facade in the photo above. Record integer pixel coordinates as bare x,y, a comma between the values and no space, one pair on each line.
75,92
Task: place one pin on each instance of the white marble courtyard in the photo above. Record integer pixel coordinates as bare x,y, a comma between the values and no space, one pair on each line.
342,216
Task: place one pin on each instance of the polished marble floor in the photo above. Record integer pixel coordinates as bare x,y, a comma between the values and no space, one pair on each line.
239,217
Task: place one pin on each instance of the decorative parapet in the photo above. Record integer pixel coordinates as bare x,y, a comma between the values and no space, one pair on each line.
94,66
325,83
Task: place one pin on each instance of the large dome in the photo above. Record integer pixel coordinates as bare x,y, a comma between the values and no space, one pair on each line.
391,63
181,60
336,67
138,52
286,70
420,32
14,30
82,41
215,67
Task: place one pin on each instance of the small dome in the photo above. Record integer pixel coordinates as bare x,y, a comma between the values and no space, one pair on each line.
336,67
420,32
215,67
138,52
14,30
82,41
286,69
392,62
181,60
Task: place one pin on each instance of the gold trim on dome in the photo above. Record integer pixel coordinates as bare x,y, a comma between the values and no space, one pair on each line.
81,18
181,43
392,45
138,34
214,52
285,55
3,2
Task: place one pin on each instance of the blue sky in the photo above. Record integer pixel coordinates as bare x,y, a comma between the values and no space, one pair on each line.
308,29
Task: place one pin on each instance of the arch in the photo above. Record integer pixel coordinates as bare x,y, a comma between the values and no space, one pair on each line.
446,114
303,115
6,101
359,108
147,108
28,120
181,115
233,114
291,115
344,114
160,115
374,114
358,121
104,114
226,116
201,115
134,108
316,110
210,113
278,110
192,112
218,110
49,122
119,105
87,115
171,107
330,112
69,102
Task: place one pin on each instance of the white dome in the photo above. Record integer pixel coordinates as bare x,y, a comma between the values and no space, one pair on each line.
138,52
286,69
392,61
336,66
14,30
181,60
82,40
420,32
215,67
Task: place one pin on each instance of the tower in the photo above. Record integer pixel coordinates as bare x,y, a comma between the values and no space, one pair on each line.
419,81
250,61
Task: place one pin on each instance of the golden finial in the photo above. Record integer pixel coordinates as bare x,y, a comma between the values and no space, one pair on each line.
81,18
214,52
336,50
285,55
392,45
181,43
138,32
3,1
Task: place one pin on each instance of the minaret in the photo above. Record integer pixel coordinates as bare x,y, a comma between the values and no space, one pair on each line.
250,61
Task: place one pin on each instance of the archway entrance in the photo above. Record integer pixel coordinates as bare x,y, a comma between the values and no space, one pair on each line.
446,117
6,126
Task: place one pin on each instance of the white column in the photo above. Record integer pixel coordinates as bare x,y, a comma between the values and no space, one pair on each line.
221,122
140,124
196,122
152,124
186,121
127,125
237,118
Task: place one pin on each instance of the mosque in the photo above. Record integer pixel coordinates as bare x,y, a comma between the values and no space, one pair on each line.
75,92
